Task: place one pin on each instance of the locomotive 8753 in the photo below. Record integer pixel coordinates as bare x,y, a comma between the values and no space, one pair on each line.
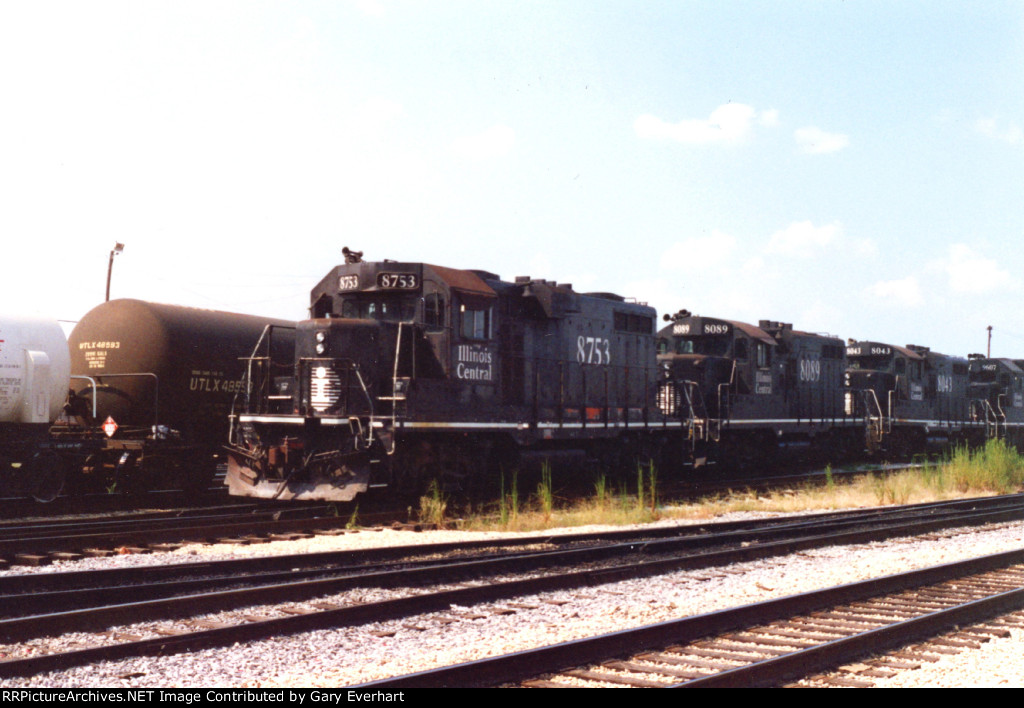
409,372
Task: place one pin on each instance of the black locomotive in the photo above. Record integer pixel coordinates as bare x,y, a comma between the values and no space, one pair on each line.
912,399
410,372
747,392
996,392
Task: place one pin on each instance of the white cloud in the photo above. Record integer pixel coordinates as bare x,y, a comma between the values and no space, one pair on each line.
864,248
905,291
496,141
991,127
699,251
815,141
803,238
970,272
729,124
769,118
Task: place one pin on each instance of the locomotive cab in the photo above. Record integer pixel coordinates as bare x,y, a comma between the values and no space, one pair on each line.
709,358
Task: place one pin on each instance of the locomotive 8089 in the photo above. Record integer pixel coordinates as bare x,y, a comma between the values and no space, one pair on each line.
749,392
409,372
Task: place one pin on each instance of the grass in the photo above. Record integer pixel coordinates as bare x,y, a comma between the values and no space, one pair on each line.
994,468
433,505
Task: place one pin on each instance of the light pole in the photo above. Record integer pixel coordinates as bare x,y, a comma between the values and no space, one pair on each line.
118,247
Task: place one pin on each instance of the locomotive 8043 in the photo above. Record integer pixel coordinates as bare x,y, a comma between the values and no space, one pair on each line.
409,372
911,398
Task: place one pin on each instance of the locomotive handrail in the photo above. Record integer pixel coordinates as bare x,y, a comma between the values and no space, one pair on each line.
394,386
887,421
266,335
876,423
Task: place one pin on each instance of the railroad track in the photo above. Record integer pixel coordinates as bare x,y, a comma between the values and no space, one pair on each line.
99,600
776,642
40,542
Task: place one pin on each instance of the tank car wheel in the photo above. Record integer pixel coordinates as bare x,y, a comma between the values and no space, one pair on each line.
49,475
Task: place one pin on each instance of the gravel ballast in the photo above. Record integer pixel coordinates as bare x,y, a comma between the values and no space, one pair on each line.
352,655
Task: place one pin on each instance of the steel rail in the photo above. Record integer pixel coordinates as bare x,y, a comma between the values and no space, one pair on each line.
523,665
20,628
25,595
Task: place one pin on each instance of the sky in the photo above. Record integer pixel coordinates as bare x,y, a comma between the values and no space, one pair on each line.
854,168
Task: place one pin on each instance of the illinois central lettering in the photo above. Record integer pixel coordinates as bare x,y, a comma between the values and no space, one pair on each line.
474,363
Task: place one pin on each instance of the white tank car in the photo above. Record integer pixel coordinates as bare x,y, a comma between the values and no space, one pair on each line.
35,370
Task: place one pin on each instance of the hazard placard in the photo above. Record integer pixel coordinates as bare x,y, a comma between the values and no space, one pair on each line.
109,427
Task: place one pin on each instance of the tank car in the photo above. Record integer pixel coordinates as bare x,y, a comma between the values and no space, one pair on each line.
912,399
34,367
752,393
152,389
996,392
411,372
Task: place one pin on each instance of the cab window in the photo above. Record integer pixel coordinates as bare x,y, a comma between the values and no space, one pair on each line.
476,324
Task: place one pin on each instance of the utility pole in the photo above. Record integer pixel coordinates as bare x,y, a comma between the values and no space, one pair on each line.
989,355
118,247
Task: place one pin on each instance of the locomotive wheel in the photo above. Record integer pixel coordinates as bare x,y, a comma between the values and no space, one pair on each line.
49,475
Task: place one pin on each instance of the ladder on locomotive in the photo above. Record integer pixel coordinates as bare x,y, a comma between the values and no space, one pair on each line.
878,423
994,417
700,425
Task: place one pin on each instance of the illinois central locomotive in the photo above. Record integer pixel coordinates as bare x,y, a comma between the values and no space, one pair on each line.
996,392
911,398
750,392
411,372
